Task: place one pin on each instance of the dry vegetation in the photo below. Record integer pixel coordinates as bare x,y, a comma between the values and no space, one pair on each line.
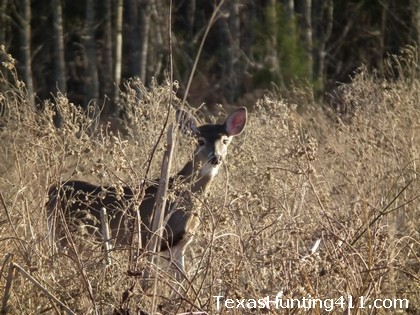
350,180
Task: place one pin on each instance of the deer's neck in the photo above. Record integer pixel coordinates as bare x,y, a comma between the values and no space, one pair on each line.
199,177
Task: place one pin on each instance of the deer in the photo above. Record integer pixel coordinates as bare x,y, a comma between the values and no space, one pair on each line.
76,202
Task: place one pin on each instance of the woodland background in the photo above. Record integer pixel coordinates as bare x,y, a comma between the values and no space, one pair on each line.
345,174
86,49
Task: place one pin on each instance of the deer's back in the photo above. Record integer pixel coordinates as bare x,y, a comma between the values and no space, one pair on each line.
80,203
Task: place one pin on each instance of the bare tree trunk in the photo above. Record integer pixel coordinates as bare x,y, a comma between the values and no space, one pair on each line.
107,62
416,7
134,36
156,43
25,42
230,33
234,63
307,34
92,87
290,9
324,26
273,59
60,77
3,23
191,11
384,11
145,27
118,49
59,63
249,29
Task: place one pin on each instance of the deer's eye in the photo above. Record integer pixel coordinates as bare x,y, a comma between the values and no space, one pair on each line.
225,141
201,142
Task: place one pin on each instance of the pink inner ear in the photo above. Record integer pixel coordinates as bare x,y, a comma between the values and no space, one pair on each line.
236,123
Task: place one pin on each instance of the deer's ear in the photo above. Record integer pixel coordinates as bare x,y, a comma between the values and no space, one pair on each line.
235,122
186,122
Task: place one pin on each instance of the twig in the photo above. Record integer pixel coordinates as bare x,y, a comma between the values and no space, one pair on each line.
382,213
9,219
8,286
106,236
42,288
6,260
78,261
160,205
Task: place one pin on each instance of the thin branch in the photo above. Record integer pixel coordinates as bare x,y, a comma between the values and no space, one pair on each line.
382,213
42,288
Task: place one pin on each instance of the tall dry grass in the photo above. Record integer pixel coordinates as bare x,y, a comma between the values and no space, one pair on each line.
350,180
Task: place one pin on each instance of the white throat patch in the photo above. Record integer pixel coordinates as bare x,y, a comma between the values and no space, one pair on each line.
210,170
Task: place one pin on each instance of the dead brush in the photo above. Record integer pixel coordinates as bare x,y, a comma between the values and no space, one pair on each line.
291,180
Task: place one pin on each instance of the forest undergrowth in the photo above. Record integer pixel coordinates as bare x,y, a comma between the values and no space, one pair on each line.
320,202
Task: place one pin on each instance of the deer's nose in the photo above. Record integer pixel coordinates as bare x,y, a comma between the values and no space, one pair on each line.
216,159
